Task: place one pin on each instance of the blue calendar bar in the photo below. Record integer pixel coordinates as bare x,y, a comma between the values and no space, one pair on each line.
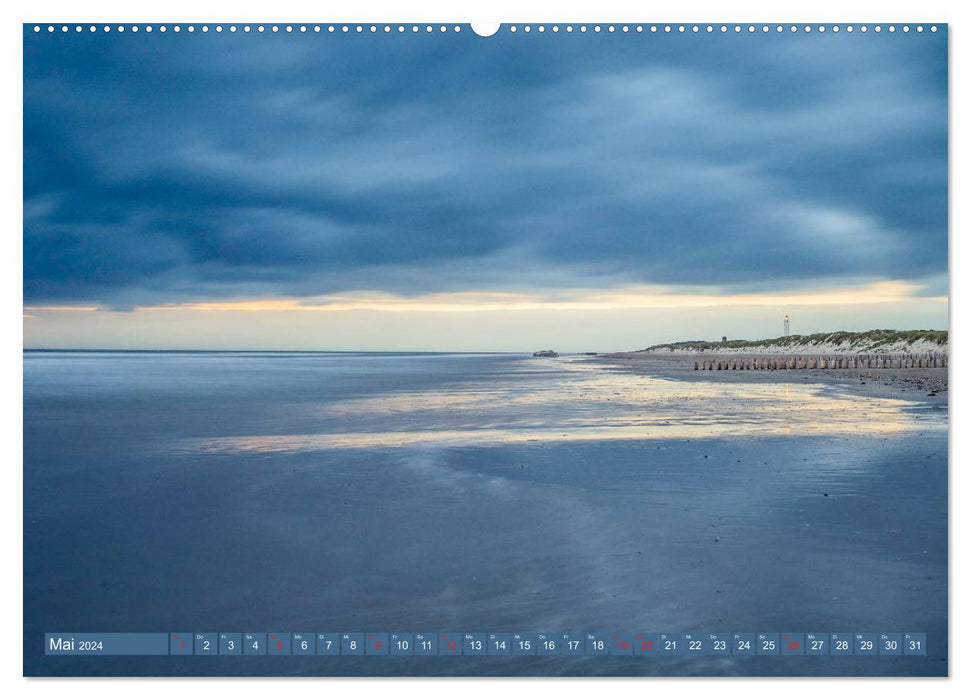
487,644
107,644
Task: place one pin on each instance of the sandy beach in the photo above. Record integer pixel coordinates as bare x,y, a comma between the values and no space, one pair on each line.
929,383
423,493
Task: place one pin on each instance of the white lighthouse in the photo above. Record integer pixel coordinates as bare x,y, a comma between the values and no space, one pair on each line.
785,325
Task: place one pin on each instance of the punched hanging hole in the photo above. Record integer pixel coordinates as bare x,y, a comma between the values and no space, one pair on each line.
485,28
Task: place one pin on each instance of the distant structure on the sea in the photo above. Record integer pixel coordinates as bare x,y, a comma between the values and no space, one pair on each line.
785,325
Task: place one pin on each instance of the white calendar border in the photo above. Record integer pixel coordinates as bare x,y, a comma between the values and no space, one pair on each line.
830,11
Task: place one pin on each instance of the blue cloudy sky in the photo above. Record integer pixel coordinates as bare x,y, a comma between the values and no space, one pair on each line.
447,191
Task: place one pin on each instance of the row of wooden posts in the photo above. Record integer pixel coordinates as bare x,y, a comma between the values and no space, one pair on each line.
899,361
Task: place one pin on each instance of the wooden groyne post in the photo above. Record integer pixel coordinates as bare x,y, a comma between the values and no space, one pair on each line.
773,363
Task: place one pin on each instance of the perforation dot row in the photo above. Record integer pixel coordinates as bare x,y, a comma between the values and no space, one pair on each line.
259,28
414,28
723,28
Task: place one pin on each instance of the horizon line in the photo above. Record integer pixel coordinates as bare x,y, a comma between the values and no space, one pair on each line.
251,350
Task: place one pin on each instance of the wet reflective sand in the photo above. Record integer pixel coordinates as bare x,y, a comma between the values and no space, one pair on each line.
580,402
474,493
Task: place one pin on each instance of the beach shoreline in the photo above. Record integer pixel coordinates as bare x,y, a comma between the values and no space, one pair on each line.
926,384
609,502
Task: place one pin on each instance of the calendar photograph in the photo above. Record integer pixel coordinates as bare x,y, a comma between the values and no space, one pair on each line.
547,349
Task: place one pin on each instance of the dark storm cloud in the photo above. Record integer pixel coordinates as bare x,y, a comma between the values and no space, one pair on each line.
162,168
